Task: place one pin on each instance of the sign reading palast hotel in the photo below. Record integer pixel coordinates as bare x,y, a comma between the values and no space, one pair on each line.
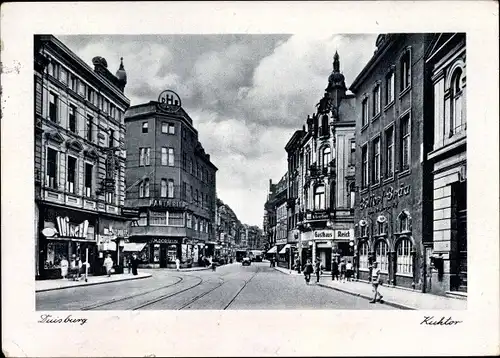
375,202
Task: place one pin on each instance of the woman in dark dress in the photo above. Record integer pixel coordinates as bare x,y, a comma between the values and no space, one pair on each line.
135,263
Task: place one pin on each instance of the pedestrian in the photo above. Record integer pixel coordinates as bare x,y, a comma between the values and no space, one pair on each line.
108,264
214,265
177,264
376,281
135,263
129,264
308,270
349,270
64,267
342,270
335,270
271,262
317,268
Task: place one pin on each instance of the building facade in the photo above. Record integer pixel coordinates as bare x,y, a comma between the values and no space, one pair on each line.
79,158
170,182
446,61
392,139
321,177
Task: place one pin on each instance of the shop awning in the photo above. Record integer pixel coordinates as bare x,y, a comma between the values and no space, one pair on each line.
283,250
273,250
133,247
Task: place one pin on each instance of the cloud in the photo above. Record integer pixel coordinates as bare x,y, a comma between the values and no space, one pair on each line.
246,94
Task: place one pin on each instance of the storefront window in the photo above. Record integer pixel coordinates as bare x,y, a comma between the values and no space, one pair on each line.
363,256
156,253
381,255
143,219
404,261
55,252
171,253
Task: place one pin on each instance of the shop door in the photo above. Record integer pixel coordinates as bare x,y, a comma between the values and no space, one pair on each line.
462,250
163,256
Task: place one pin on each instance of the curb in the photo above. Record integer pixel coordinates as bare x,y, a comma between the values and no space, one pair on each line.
92,284
389,303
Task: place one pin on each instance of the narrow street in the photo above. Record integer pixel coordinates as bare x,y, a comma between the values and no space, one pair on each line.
231,287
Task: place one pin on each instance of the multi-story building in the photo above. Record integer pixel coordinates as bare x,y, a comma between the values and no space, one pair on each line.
391,143
321,184
171,182
228,230
446,62
79,161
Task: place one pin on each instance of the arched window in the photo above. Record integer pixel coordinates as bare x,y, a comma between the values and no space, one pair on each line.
403,257
382,225
319,197
141,190
363,256
404,221
381,250
457,115
326,157
146,188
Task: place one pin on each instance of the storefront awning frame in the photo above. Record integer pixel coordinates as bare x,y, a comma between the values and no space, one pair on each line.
272,250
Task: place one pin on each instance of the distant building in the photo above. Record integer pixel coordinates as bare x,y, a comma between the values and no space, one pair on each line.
79,157
170,183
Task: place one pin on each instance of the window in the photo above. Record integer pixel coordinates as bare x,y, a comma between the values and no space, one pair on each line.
71,175
363,256
141,189
144,156
170,188
405,71
176,219
164,156
171,159
51,168
381,249
88,128
73,83
389,88
146,188
324,125
196,198
352,191
171,128
376,161
53,107
352,157
405,142
319,197
90,95
158,218
308,158
110,197
202,197
163,193
364,112
191,192
144,127
184,190
63,78
404,262
72,118
164,127
404,222
326,157
364,166
81,88
111,138
376,100
457,110
143,219
189,220
389,152
190,166
88,179
381,225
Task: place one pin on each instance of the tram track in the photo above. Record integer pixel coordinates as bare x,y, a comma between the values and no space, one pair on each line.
115,300
241,289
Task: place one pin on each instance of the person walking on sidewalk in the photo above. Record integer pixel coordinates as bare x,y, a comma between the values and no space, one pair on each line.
335,270
64,267
177,264
342,270
348,270
317,268
308,270
135,264
108,264
376,282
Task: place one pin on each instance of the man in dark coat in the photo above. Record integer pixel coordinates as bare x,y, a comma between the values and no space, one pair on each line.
135,264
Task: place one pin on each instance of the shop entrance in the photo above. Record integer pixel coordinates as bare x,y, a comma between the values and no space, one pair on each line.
163,256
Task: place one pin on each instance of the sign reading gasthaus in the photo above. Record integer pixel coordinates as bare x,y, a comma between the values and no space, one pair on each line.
323,234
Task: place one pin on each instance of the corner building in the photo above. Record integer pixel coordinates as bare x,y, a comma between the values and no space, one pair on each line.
392,177
170,184
79,159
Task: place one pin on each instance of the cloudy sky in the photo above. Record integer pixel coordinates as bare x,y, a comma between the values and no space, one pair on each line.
246,94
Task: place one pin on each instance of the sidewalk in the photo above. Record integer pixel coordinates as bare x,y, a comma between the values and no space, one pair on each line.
50,285
396,297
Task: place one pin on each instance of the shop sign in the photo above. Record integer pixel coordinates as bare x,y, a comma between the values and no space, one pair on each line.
67,229
317,215
281,241
156,203
347,234
389,195
165,241
323,234
130,212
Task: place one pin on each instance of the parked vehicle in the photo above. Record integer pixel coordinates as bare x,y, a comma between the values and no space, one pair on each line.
246,261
